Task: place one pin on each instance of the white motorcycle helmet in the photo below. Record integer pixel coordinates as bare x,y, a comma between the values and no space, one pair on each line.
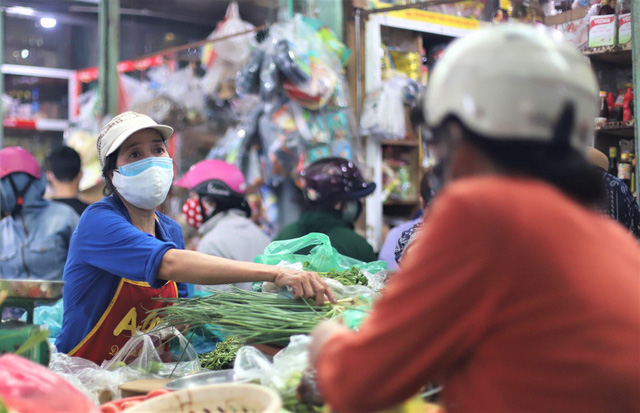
513,82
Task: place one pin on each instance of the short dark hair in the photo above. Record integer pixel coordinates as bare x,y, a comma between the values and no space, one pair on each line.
555,162
65,163
109,165
425,188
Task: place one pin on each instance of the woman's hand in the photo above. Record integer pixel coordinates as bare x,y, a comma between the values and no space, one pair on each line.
306,284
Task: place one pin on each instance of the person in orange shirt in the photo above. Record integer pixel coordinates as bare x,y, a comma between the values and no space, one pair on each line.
515,297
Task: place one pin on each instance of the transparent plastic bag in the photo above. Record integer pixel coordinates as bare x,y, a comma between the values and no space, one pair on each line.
90,378
248,77
235,49
383,111
283,373
51,316
159,353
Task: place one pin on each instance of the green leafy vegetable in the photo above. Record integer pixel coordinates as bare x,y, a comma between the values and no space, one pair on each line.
223,356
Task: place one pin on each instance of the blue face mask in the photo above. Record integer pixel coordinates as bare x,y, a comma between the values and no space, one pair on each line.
137,167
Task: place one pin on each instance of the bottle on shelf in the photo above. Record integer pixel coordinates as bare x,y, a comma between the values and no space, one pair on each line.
623,15
605,8
603,115
613,161
627,103
611,100
618,110
633,175
624,169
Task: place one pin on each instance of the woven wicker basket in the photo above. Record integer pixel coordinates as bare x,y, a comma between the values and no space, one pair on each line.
227,397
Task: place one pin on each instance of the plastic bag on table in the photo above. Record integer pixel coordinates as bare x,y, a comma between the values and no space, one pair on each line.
322,257
89,378
235,49
51,316
29,387
159,353
283,373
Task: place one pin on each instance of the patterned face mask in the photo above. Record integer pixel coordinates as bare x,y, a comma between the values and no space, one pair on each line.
192,212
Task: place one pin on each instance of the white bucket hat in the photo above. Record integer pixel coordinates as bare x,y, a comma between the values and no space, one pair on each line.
121,127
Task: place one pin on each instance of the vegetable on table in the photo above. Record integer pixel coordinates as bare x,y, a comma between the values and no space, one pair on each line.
223,356
259,318
352,276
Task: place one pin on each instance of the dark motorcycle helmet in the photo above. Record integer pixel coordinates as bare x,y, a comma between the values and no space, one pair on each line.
334,180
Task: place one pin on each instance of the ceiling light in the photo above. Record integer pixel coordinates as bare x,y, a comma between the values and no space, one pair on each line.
169,37
25,11
24,53
48,22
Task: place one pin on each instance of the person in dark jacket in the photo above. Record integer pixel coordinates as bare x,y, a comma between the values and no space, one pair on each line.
64,174
333,188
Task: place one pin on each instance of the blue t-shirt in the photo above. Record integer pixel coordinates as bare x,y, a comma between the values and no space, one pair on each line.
105,248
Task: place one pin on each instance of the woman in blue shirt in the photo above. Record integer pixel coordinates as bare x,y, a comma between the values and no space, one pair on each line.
124,253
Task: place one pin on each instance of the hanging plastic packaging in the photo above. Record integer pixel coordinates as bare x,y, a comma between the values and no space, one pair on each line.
248,77
234,49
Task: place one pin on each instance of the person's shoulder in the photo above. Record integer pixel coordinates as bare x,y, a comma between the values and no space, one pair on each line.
169,224
289,231
60,208
103,210
497,192
166,220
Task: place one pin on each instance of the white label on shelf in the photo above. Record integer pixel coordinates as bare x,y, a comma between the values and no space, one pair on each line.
624,31
602,31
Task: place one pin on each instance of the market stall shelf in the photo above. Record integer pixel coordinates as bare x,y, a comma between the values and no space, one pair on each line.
618,54
623,129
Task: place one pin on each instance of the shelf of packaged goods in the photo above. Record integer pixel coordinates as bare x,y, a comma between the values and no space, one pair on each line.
400,142
619,54
623,129
37,124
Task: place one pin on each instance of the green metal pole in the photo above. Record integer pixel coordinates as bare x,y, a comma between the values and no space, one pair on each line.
109,50
114,56
635,39
290,11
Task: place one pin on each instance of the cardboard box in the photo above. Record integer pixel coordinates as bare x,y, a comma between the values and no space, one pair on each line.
602,31
624,28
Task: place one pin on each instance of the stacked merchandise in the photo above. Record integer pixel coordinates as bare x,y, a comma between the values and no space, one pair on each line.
302,114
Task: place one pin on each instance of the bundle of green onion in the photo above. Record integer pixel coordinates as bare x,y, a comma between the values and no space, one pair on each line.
259,318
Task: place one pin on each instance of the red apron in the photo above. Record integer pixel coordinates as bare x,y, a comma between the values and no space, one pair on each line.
126,312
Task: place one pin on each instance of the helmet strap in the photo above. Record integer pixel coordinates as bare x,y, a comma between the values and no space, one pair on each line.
564,127
19,194
222,206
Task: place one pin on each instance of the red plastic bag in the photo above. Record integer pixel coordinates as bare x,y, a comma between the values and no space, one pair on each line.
27,387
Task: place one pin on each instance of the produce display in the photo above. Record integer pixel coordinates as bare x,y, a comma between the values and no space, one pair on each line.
352,276
260,318
223,356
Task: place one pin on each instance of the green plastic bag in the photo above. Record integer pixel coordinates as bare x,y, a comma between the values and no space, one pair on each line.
322,257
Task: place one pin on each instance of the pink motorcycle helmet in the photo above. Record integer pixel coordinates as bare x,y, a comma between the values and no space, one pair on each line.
17,159
214,178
